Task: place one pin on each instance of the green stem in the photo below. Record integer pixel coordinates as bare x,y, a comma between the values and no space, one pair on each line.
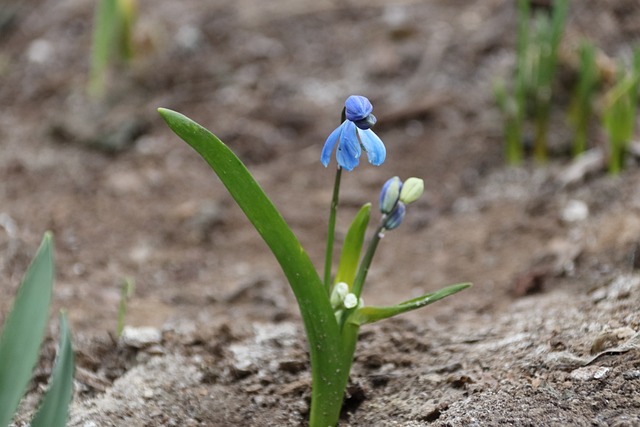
366,261
331,232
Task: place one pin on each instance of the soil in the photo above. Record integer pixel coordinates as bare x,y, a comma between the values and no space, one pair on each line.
548,334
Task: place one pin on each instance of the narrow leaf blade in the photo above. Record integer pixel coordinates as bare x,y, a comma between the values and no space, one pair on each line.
372,314
319,320
54,409
24,330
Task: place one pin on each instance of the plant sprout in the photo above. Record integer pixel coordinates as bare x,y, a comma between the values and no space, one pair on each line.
538,39
542,58
112,38
20,343
581,108
332,314
126,291
619,113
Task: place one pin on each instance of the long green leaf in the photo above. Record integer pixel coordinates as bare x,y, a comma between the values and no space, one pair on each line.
24,330
352,246
319,320
372,314
54,409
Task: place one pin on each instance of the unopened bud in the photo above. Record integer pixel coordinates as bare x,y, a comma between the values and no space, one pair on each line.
339,292
412,189
350,301
390,194
395,217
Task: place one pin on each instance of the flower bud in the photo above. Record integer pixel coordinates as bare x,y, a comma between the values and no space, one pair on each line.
390,194
412,189
350,301
395,217
339,292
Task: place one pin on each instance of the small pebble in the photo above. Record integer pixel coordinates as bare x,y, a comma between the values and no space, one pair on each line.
589,373
575,210
140,337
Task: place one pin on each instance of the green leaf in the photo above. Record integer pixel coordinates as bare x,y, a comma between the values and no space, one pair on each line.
24,330
104,30
372,314
319,320
352,247
54,409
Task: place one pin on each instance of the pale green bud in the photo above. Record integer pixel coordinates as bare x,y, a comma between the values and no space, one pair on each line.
411,191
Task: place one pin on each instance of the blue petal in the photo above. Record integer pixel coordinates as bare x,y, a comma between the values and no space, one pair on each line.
357,108
376,152
325,157
349,151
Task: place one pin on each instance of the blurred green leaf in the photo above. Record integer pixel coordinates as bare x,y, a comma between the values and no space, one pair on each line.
352,247
54,409
102,45
24,330
372,314
581,107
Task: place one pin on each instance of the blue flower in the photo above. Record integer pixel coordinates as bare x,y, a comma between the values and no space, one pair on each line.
353,135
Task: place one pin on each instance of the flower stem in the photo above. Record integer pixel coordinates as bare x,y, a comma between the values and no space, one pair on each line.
331,232
366,261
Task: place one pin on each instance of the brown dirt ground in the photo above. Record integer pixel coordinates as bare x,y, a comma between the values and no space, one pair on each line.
547,336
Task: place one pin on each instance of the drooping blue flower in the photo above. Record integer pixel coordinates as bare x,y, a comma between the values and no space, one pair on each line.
354,135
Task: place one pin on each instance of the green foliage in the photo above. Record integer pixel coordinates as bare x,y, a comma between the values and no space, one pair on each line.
20,342
537,56
541,59
112,39
352,247
619,113
331,342
581,108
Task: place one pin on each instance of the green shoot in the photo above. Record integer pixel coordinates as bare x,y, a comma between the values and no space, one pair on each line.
126,291
112,39
619,113
538,40
581,108
542,58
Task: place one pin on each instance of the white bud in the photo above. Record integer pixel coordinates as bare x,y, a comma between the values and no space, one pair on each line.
340,291
350,301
